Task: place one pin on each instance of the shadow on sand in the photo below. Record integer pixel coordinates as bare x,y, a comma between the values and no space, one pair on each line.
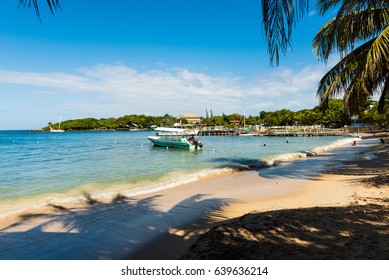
351,232
354,232
115,230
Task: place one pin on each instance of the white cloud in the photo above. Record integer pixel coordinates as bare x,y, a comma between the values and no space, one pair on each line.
104,90
60,80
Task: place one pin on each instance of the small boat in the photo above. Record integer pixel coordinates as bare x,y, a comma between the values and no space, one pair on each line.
247,132
56,130
133,127
175,140
59,128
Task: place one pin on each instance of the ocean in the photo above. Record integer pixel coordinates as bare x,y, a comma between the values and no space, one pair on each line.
39,168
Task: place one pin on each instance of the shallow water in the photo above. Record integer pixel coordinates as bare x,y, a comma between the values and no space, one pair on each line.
39,168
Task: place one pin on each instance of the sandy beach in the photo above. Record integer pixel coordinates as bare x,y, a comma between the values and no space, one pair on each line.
175,223
343,214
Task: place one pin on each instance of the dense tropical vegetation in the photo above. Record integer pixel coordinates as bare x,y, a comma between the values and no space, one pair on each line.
125,122
334,116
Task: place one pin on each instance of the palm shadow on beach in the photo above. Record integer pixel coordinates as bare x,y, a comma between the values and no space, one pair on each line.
352,233
115,230
358,231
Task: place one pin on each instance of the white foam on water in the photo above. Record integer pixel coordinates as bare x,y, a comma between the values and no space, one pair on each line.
109,191
288,157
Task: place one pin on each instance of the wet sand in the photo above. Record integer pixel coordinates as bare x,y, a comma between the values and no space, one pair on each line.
165,224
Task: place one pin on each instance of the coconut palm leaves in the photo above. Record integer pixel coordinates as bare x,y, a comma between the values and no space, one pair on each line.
279,18
362,71
359,33
53,4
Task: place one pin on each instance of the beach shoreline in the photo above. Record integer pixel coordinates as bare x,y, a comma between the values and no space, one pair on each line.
44,169
344,215
165,224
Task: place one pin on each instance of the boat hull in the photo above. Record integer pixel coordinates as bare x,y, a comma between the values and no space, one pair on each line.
160,142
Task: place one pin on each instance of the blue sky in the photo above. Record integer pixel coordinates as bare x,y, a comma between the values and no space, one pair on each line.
111,58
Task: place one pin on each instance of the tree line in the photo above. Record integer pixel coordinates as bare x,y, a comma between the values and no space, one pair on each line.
125,122
334,116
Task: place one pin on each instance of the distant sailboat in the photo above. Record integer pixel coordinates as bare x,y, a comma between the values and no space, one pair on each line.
59,127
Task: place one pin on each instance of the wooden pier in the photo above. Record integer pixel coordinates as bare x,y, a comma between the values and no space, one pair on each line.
272,133
307,134
217,133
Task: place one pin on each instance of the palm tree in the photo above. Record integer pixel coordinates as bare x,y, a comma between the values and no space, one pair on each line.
364,70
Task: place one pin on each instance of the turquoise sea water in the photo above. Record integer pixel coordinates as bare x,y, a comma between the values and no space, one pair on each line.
37,168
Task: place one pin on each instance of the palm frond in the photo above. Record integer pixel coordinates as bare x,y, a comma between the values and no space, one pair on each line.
338,77
356,79
384,98
325,5
356,95
343,32
348,78
378,57
279,17
53,5
363,71
349,6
